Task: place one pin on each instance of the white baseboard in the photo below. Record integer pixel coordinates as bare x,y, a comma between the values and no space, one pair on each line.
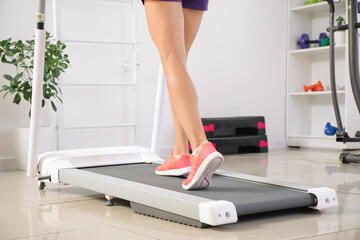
7,163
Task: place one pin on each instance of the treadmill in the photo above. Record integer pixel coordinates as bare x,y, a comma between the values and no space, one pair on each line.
128,172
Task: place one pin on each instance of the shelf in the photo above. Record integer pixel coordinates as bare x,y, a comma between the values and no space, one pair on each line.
317,50
101,126
323,93
317,7
98,42
314,137
99,84
315,141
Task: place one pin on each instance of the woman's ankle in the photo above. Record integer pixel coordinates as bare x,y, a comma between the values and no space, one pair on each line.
178,152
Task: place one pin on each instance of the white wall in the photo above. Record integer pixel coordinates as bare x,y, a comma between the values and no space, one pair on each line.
237,64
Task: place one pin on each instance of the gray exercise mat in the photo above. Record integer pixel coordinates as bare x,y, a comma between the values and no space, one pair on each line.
248,197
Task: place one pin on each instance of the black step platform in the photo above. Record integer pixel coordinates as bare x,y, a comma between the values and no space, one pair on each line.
234,126
244,144
237,134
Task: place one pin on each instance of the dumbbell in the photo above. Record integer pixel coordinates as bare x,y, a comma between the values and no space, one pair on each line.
312,2
315,88
330,130
305,41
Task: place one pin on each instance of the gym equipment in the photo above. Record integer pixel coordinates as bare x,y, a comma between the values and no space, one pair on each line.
330,130
241,144
233,126
352,26
305,41
236,134
340,88
128,172
318,87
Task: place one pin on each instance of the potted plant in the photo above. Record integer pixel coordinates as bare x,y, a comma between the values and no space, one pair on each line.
340,35
19,84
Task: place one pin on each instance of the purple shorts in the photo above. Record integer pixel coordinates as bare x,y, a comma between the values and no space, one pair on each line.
201,5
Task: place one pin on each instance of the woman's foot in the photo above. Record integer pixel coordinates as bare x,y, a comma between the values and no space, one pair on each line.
203,165
175,166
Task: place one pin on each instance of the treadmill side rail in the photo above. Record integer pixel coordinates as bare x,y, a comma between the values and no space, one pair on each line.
326,198
50,163
174,202
217,213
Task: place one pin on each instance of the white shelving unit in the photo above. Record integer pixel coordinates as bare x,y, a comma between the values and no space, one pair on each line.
308,112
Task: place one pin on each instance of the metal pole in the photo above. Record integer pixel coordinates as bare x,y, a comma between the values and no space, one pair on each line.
39,57
354,52
60,110
332,66
160,93
134,69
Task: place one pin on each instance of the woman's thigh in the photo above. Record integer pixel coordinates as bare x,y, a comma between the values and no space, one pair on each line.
166,26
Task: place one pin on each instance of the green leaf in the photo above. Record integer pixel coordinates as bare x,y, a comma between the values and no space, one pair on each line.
17,98
59,98
4,60
9,53
51,51
55,83
27,96
12,90
56,73
53,88
64,65
53,106
5,88
14,83
46,69
26,86
21,57
4,42
18,76
5,94
8,77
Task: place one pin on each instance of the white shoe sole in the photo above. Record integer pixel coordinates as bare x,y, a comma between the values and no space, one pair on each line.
203,175
174,172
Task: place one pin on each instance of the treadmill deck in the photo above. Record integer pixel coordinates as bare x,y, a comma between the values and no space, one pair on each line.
248,197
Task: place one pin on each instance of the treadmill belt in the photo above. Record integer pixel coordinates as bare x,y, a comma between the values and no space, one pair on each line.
248,197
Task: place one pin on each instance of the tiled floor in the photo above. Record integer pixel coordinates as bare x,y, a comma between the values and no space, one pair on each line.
67,212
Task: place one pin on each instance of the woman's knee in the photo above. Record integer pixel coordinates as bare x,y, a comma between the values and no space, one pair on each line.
171,59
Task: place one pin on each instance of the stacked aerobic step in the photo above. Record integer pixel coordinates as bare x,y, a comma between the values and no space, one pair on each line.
237,134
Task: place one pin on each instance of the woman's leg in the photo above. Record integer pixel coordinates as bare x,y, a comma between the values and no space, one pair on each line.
166,24
192,20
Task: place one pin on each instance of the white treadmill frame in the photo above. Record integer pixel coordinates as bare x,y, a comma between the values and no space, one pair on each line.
61,166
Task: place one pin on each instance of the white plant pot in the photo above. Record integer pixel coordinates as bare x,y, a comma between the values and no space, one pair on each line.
339,37
47,142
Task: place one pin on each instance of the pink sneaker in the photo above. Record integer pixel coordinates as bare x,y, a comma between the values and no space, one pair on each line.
203,166
175,166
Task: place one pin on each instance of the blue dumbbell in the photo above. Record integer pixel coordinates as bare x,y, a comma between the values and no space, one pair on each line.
330,130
